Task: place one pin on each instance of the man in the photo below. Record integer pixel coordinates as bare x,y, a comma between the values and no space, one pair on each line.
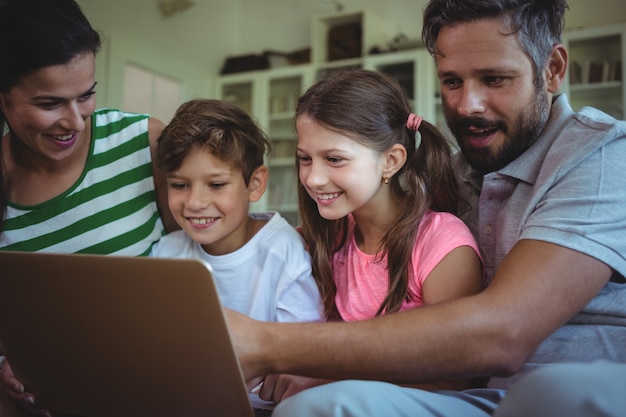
547,205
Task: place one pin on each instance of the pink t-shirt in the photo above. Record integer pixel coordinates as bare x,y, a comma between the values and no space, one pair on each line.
362,281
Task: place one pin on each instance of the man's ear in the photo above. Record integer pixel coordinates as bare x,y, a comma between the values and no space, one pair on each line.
394,160
557,66
258,183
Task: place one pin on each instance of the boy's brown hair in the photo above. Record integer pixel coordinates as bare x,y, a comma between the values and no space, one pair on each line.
222,128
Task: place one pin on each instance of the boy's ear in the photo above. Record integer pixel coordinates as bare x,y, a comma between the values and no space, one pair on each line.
258,183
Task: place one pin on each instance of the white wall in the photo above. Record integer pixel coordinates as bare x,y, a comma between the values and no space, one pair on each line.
191,46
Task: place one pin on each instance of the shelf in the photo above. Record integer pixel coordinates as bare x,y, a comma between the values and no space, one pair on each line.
596,68
276,162
345,35
328,69
600,86
282,116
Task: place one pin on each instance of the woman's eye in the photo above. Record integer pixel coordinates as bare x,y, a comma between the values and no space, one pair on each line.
87,96
49,105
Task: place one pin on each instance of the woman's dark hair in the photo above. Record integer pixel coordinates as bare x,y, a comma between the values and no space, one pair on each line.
373,109
35,34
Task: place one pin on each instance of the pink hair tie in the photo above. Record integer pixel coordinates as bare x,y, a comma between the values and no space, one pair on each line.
414,122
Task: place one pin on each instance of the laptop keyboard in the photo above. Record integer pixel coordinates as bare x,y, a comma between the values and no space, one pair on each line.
262,412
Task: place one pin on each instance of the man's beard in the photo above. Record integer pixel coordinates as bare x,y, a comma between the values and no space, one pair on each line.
519,138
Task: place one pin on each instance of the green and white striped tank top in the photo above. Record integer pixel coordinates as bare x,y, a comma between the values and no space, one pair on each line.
112,207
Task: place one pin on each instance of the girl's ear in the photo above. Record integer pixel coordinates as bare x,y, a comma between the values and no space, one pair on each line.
395,158
258,183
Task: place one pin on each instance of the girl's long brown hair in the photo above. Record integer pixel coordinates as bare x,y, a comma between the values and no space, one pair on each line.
373,109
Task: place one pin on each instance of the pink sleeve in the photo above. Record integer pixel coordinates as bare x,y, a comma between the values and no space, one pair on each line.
439,234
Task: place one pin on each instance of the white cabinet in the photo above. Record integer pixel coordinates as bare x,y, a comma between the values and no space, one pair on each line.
271,98
415,71
285,86
596,68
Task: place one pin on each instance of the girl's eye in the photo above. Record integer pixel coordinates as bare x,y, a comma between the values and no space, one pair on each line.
304,160
334,160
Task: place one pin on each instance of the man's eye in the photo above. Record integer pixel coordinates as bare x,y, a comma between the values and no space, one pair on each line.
494,80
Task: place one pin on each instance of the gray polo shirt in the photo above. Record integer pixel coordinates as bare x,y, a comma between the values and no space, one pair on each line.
568,188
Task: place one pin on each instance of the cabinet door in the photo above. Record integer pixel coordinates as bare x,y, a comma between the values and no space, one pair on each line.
415,72
241,90
595,75
284,87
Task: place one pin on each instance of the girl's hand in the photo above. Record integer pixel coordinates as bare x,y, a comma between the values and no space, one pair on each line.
15,390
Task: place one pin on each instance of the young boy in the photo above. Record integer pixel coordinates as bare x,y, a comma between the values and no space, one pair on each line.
212,153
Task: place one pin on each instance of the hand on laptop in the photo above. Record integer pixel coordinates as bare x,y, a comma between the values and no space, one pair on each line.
245,334
276,387
14,389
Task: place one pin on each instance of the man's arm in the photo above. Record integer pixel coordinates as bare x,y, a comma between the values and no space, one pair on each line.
538,287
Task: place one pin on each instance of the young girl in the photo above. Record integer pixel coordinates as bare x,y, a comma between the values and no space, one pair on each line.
377,209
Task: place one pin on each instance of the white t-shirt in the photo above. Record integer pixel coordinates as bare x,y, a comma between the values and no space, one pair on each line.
268,279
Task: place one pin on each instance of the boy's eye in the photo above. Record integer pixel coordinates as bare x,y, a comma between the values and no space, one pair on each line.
450,82
217,185
177,185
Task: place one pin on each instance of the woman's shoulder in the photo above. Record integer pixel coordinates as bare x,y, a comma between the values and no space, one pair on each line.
119,118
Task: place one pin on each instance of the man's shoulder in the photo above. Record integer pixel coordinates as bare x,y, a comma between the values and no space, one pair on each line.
600,121
588,131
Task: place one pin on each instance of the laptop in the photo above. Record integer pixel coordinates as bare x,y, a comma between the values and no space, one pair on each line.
102,336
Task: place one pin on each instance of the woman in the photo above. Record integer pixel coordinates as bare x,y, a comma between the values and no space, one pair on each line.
73,179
